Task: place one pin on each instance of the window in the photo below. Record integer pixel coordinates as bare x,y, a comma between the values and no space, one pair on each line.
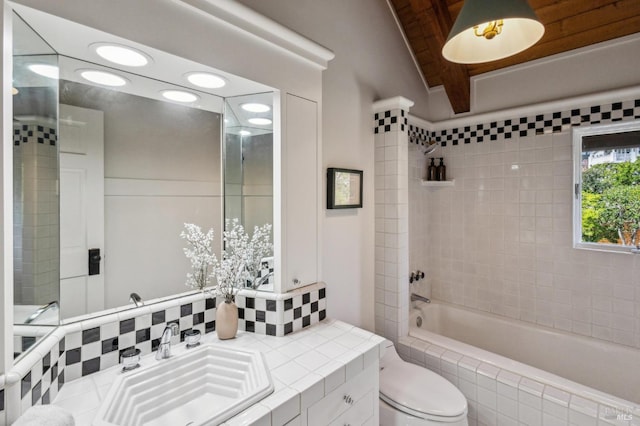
607,187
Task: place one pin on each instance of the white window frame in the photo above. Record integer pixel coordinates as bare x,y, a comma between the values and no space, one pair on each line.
578,134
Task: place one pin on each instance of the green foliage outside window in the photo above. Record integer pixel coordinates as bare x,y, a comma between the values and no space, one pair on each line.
611,203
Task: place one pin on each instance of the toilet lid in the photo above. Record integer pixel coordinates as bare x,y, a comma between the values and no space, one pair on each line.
420,391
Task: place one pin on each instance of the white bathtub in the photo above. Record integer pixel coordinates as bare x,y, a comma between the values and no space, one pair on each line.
587,367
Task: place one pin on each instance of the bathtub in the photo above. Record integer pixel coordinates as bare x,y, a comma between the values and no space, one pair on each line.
599,371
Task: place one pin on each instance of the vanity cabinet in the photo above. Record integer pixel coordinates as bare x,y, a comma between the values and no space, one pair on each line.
355,402
300,200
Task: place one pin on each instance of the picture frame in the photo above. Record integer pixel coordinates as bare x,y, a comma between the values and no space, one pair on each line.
344,188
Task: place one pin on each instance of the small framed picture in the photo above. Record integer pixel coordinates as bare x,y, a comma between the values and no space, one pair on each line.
344,188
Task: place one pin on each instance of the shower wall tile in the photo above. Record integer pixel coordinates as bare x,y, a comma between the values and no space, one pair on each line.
500,240
36,214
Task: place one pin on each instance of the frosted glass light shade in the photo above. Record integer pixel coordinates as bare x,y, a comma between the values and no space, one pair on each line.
179,96
260,121
45,70
121,55
103,78
521,29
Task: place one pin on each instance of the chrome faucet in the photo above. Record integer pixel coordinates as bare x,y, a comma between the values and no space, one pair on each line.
415,297
41,310
135,298
164,350
261,280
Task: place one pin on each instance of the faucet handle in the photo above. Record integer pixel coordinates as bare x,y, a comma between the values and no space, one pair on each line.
173,326
130,359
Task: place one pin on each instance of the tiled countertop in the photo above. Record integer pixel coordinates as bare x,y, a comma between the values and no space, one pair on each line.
305,366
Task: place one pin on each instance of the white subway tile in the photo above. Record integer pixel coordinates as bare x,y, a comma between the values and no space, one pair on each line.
531,387
486,398
509,378
486,415
557,396
507,406
529,416
506,421
557,411
577,418
583,406
468,389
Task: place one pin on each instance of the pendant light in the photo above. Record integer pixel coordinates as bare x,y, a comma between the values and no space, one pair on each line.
488,30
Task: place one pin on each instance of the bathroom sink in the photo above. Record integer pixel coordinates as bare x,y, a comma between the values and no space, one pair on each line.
203,386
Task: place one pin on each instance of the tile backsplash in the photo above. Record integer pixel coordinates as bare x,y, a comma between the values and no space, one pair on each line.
85,347
500,239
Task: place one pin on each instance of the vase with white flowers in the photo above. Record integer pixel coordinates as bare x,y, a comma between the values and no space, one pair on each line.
236,268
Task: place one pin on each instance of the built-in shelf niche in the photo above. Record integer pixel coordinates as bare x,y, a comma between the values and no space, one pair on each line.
438,183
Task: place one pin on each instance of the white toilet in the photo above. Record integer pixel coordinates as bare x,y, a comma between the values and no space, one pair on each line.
414,396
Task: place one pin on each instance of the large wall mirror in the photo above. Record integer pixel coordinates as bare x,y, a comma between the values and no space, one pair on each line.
248,167
126,154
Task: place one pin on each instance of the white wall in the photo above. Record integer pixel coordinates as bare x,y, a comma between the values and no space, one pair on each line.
371,63
599,68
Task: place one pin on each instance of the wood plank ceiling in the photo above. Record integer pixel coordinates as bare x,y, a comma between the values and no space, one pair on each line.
569,24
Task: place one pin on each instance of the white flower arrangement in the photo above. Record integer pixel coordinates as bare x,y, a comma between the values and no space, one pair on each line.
259,248
201,255
241,257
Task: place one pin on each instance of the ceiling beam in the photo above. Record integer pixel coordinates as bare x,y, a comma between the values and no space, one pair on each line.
435,22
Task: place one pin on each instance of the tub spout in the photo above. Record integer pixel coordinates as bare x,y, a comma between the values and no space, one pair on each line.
415,297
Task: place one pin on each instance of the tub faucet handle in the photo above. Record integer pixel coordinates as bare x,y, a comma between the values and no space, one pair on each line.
416,276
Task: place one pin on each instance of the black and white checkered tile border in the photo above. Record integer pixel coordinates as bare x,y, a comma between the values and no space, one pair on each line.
390,121
90,350
97,344
553,122
418,135
279,317
23,133
97,348
42,383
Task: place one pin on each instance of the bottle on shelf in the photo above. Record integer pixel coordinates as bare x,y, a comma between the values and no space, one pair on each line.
432,171
441,171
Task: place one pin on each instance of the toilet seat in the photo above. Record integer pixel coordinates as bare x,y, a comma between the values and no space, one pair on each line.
421,392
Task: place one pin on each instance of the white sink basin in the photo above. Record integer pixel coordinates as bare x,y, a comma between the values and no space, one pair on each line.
204,386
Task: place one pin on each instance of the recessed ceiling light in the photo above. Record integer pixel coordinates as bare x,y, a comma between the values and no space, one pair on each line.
260,121
103,78
45,70
121,55
206,80
254,107
179,96
244,133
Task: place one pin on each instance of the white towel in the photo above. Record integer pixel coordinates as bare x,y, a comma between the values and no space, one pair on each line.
45,415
